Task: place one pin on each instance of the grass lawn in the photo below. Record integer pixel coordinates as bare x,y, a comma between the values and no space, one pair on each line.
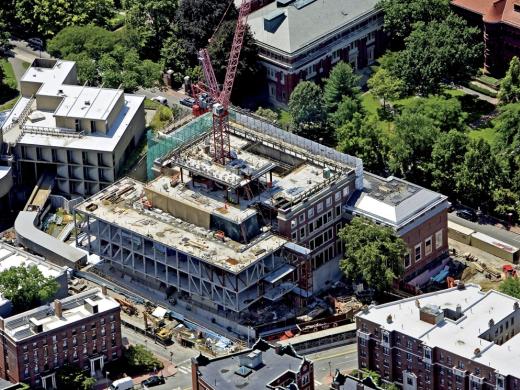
8,90
150,104
489,134
370,103
285,118
9,79
8,104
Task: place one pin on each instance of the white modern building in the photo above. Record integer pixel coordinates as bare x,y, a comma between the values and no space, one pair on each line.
80,134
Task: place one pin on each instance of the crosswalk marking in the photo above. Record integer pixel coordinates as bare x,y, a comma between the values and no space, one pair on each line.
184,370
317,382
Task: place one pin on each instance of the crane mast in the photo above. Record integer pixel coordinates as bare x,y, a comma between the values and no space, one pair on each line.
220,132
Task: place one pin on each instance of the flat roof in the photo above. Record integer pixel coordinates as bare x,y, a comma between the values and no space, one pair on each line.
14,257
54,76
302,26
496,243
98,141
392,200
74,309
175,233
462,337
459,228
221,372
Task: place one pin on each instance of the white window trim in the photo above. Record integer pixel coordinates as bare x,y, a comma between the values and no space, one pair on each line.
439,243
426,251
415,252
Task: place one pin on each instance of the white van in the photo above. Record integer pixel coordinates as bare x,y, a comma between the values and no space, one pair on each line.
160,99
122,384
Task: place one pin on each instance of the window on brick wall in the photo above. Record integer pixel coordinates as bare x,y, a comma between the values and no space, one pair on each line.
428,246
407,261
438,239
418,254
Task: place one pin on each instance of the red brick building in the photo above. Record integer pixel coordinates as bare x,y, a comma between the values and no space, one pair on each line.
262,367
84,330
303,40
419,216
459,338
499,21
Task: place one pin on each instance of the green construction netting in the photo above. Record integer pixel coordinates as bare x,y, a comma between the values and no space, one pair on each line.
161,145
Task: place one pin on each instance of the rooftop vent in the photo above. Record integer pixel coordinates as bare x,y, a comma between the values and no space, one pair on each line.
91,306
431,314
273,20
283,3
36,325
252,360
243,371
299,4
87,102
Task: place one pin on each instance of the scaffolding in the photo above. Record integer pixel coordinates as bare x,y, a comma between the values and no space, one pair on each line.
161,145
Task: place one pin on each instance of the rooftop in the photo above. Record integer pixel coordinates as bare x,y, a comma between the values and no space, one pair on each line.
466,336
231,373
55,80
74,308
13,257
493,11
128,212
302,22
392,201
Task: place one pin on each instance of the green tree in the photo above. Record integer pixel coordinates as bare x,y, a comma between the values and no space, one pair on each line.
26,287
4,33
478,176
410,146
308,111
401,15
71,377
510,85
346,110
87,68
511,286
436,52
361,138
92,40
447,155
373,253
386,86
197,21
507,203
149,23
248,70
139,359
342,82
175,57
446,114
267,113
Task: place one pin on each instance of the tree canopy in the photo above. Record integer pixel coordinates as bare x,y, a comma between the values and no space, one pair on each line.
373,253
308,110
140,359
510,85
401,15
438,51
342,82
511,286
386,86
71,377
26,287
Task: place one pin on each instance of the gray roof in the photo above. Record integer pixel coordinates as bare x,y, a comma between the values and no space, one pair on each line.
392,201
301,26
44,244
221,373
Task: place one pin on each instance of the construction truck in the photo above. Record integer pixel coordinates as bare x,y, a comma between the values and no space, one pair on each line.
127,307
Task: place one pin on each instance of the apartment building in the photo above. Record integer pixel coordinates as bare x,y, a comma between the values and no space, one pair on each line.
262,367
303,40
459,338
83,329
80,134
499,22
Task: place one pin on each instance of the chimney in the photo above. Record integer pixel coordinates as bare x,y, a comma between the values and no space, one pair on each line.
104,290
58,310
1,323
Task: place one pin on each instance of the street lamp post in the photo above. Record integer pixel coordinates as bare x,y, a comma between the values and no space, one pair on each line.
330,369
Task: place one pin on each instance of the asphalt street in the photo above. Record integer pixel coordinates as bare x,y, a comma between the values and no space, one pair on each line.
489,229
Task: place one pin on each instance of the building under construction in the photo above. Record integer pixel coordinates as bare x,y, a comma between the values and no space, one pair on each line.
263,227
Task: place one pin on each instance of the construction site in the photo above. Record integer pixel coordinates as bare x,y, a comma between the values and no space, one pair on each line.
252,240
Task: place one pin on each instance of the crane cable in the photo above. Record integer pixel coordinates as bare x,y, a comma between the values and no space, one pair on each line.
221,20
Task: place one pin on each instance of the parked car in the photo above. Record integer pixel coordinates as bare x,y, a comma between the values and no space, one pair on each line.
122,384
160,99
35,42
187,101
154,380
470,215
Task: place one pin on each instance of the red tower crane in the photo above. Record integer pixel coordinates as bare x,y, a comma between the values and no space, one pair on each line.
221,148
